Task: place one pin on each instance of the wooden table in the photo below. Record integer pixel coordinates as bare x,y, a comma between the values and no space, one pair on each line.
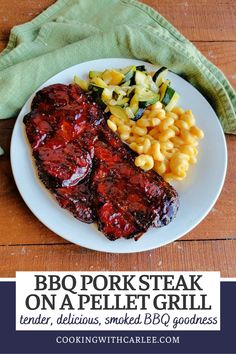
26,244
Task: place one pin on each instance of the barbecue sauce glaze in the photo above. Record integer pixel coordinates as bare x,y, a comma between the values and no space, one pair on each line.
89,170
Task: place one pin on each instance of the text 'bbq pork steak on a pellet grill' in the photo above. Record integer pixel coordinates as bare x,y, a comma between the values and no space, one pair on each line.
89,170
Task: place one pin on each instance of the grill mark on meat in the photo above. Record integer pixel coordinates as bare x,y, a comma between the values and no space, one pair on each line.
89,170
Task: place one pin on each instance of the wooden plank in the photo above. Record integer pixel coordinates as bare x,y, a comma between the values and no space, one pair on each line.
7,124
202,20
18,12
205,20
223,55
3,44
178,256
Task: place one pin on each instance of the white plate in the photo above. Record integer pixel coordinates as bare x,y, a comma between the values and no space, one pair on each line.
198,192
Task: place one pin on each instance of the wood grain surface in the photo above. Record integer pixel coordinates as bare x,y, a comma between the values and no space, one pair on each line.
26,244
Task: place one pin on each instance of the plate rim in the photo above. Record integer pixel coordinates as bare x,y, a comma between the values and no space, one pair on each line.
99,249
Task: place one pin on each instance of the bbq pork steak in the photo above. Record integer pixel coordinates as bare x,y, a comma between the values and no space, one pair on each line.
89,170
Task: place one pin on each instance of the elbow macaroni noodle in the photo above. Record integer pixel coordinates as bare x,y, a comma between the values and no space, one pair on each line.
164,141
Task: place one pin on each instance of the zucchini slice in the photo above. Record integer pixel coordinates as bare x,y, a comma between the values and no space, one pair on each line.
173,102
146,97
141,79
126,84
81,83
169,93
128,72
96,88
96,92
141,68
106,95
160,75
137,68
134,106
163,88
152,86
93,74
170,97
138,114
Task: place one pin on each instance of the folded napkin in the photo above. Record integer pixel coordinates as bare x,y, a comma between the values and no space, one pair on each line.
73,31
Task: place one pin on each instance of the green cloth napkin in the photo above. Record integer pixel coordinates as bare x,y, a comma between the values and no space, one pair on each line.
73,31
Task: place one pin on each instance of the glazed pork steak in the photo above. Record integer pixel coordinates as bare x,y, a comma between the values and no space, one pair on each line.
89,170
